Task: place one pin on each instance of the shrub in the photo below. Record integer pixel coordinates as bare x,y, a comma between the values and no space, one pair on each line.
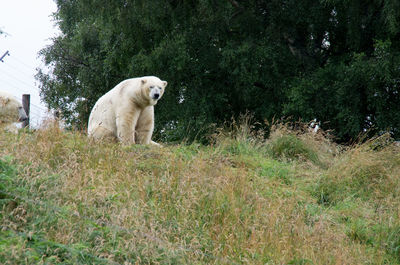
361,172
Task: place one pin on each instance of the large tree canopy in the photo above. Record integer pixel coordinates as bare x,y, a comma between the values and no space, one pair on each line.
335,60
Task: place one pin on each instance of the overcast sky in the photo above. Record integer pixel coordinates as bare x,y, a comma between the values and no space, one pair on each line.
29,27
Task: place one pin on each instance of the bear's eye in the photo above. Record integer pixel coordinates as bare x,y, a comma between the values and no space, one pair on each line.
151,87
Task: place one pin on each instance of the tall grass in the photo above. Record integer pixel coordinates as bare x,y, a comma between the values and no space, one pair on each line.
293,198
363,173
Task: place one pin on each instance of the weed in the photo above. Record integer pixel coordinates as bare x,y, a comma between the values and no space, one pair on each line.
242,200
361,173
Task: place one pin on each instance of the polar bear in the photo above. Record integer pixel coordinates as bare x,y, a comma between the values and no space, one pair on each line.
11,111
126,112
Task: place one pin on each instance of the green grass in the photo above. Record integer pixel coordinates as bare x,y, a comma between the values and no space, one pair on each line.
291,147
294,198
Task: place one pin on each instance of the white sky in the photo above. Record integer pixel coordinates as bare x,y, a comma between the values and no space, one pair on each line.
30,27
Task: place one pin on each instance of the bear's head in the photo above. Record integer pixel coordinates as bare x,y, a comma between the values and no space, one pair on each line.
154,88
10,109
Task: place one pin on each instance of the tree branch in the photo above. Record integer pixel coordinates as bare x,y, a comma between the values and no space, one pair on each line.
68,57
234,3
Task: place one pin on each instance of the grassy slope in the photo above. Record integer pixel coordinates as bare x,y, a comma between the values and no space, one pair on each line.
293,199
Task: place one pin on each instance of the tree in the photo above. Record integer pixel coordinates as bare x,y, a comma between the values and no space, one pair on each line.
357,88
224,58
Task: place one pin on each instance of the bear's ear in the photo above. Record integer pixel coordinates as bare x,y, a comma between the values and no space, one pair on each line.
165,83
144,81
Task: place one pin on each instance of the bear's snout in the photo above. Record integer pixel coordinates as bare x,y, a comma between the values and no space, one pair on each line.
155,93
22,119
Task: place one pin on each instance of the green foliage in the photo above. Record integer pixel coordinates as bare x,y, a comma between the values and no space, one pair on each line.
292,148
360,95
335,60
7,172
17,247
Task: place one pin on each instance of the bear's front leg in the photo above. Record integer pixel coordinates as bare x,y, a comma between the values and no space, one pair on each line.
145,126
126,125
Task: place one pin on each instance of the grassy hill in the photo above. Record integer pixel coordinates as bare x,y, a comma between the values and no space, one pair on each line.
294,198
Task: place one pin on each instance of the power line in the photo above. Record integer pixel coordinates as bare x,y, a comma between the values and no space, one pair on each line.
24,92
20,71
36,114
19,80
31,69
14,86
23,63
39,107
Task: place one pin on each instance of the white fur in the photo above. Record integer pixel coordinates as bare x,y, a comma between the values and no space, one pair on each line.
11,110
126,112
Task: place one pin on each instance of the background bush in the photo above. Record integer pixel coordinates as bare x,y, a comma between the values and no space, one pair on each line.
334,60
